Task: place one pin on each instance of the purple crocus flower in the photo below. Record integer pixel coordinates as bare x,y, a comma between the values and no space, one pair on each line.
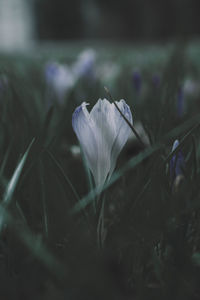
137,81
177,163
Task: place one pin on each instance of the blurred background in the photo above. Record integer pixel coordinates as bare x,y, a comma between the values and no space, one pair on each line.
129,19
23,22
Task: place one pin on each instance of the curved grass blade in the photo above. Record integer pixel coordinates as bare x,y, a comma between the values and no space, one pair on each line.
43,196
11,186
63,175
14,180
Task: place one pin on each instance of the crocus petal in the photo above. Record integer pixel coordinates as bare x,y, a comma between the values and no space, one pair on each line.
84,129
105,135
123,130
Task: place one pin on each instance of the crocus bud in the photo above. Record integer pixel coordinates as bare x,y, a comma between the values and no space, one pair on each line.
102,134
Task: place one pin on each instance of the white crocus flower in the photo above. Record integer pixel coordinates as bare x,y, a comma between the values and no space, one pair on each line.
102,134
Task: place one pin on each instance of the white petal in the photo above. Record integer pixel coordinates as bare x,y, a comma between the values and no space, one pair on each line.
105,136
123,131
84,129
175,145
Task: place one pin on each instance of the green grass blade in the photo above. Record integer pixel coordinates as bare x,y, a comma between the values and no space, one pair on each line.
11,186
15,177
63,175
46,230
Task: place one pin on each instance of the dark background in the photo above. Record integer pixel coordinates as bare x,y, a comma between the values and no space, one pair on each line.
112,19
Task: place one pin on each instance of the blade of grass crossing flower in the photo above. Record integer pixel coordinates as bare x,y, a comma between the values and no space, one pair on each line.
127,121
130,125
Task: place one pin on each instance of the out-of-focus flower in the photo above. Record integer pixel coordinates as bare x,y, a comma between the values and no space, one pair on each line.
59,79
177,165
137,81
3,82
85,64
156,80
180,102
75,151
102,134
107,72
191,87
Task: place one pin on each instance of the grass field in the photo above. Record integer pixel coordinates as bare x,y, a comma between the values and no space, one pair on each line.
60,237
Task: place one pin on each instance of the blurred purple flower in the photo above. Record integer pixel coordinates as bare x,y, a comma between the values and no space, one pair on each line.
85,64
191,87
137,81
177,163
51,69
59,79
